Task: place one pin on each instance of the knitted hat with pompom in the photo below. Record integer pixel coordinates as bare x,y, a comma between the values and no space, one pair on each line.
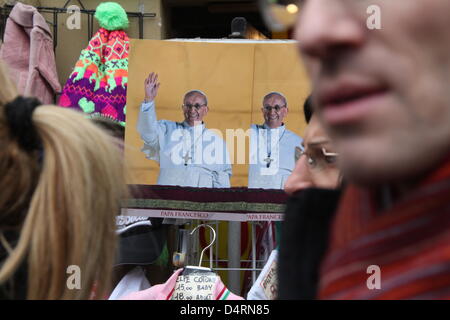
98,83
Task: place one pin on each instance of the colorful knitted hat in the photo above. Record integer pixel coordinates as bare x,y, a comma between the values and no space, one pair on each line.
98,84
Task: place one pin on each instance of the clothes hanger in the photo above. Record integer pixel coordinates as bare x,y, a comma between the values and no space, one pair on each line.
199,269
179,256
196,282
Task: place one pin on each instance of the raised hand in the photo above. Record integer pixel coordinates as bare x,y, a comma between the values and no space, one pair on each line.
151,86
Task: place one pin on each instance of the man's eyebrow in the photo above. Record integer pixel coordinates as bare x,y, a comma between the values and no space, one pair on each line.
318,142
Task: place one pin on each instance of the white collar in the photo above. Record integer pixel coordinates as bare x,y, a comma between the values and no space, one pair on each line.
281,128
187,126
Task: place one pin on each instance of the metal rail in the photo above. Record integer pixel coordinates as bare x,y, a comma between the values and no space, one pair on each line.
6,9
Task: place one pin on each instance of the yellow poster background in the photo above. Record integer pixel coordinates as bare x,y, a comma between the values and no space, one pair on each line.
234,75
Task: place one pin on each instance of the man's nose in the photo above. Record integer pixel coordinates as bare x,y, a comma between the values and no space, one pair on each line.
300,177
325,26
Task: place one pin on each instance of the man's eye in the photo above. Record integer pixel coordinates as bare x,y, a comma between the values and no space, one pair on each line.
311,161
330,159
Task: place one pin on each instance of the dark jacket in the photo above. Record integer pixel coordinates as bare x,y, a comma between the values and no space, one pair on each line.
304,240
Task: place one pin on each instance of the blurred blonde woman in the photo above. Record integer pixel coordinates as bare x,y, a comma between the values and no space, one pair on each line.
61,183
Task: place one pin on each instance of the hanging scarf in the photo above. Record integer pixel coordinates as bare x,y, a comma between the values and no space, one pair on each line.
409,242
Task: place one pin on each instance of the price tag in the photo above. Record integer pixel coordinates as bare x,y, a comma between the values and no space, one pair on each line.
194,287
270,281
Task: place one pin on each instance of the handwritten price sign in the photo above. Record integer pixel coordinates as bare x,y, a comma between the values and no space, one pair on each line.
194,287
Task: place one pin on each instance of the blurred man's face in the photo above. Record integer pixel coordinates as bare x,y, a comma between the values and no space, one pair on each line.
316,168
383,95
194,109
274,110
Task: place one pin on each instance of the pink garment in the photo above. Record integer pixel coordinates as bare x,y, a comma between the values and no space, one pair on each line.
164,291
28,52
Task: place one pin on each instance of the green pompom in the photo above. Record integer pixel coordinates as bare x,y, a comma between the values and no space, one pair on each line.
111,16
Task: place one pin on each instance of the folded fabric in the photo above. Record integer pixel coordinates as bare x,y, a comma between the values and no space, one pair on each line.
266,285
133,281
165,291
142,240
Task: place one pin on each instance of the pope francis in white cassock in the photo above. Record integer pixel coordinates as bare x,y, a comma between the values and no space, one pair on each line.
272,146
188,153
272,159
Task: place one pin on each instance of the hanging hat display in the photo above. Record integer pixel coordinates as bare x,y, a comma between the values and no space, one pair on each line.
98,83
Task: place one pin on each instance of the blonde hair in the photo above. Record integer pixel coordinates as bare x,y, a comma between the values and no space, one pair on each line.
65,207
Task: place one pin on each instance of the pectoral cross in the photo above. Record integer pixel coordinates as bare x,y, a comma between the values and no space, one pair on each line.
268,160
186,158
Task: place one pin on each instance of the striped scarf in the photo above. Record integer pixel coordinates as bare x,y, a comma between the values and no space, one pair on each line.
409,242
